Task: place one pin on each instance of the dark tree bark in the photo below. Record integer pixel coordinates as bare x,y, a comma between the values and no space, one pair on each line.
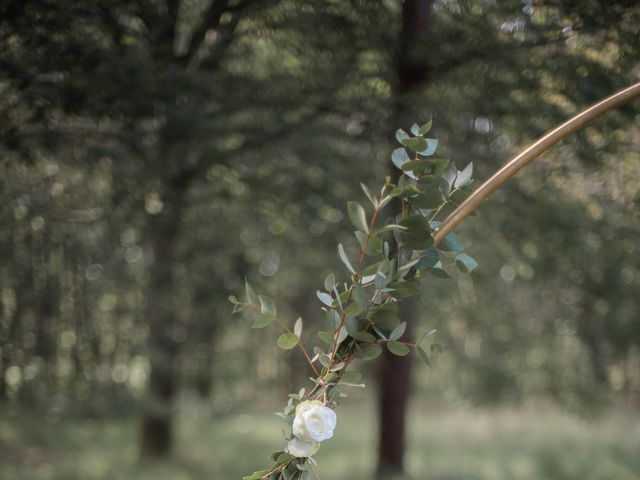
394,393
394,374
163,233
203,333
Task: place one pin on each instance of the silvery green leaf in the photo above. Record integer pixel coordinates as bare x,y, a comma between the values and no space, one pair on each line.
464,177
267,312
329,282
465,263
432,145
325,298
401,135
287,341
399,157
398,348
371,198
425,127
342,334
345,259
357,216
251,294
297,327
447,179
398,331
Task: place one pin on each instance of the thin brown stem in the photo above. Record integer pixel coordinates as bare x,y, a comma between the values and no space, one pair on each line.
300,342
355,279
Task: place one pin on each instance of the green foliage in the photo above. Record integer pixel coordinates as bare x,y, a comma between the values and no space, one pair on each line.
288,341
363,314
465,263
358,216
258,139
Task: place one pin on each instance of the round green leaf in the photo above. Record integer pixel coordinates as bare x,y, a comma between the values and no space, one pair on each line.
287,341
398,348
368,351
465,263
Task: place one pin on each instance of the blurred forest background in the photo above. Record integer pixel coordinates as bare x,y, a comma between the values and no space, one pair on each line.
153,153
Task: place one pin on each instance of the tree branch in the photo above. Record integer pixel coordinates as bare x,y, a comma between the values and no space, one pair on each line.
210,20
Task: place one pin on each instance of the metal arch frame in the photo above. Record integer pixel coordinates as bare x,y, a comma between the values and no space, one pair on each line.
529,154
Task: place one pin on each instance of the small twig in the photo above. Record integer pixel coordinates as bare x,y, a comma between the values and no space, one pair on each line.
300,342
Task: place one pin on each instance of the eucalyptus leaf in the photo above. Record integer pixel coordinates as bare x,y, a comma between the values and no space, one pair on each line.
325,298
252,298
464,177
371,198
430,149
268,312
342,335
357,216
367,351
353,310
398,348
287,341
365,337
385,316
425,127
360,296
417,235
401,135
326,337
451,243
429,258
447,179
398,331
439,165
465,263
438,272
351,377
430,198
406,289
345,259
329,282
417,144
297,327
399,157
324,360
423,355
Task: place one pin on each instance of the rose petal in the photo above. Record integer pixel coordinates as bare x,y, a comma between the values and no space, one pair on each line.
300,448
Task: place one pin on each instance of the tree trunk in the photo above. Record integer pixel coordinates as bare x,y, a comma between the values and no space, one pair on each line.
156,433
394,373
394,393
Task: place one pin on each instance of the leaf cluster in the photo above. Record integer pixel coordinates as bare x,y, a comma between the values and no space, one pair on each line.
395,256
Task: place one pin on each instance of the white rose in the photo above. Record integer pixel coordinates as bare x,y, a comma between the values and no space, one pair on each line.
314,422
300,448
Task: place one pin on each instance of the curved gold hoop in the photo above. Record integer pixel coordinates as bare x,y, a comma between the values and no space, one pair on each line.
530,153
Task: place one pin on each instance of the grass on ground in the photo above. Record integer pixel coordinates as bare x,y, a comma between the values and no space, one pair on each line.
501,444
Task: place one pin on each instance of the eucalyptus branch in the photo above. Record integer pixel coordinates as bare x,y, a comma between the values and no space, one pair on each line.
367,322
280,322
356,275
362,316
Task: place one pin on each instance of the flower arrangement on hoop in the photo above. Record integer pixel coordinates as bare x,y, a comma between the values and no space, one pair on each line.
362,314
